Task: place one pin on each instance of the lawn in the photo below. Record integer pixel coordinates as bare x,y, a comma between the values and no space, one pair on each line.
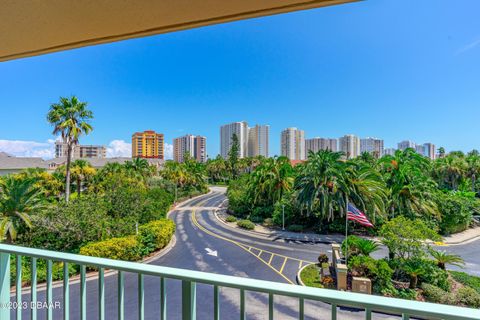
311,276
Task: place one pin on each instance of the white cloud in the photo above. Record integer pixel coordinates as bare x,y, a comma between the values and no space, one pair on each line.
21,148
46,150
168,151
119,148
469,46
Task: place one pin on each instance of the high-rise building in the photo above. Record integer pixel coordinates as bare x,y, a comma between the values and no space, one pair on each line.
373,146
389,151
350,145
258,140
317,144
226,133
406,144
147,144
293,144
420,149
80,151
194,146
429,150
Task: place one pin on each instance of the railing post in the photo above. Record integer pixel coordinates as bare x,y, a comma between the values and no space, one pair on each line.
189,302
4,286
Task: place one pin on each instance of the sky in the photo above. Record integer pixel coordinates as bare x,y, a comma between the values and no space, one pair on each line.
397,70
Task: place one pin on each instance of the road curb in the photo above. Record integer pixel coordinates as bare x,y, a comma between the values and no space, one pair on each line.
299,278
266,235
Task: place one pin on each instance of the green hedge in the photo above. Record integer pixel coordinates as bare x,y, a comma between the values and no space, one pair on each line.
155,235
246,224
151,236
125,248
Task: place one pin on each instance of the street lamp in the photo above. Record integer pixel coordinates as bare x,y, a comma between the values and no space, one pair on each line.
283,217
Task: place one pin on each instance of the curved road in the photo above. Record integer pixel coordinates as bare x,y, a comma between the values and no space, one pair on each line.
205,244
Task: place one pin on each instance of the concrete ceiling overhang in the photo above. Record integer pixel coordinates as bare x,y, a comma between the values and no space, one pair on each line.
34,27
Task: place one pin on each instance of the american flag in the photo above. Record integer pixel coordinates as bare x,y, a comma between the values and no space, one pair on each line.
356,215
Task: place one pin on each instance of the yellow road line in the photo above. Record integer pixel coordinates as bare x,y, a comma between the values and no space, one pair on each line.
283,265
260,253
300,265
271,258
195,222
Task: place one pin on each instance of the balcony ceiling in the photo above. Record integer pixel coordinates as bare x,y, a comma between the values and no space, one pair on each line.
29,28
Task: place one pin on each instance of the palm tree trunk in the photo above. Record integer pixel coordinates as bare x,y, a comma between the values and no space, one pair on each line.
79,186
413,281
67,174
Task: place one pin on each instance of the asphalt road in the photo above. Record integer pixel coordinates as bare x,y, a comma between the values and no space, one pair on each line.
205,244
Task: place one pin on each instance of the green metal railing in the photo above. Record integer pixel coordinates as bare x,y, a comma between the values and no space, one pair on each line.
190,279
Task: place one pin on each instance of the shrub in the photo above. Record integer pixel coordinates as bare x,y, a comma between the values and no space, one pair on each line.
231,218
438,295
295,228
469,297
433,275
268,222
246,224
322,258
155,235
126,248
456,209
466,279
377,270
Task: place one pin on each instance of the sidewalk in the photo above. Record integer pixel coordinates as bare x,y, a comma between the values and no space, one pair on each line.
463,237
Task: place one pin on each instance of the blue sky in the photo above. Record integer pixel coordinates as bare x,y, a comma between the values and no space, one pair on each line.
403,69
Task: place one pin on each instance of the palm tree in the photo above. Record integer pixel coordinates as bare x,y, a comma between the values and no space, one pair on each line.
139,167
18,199
450,170
366,247
81,171
271,180
407,176
70,118
473,168
442,258
414,269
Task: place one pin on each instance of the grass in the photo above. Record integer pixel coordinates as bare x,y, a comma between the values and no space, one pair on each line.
467,279
311,277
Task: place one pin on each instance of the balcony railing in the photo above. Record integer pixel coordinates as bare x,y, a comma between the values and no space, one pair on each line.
189,280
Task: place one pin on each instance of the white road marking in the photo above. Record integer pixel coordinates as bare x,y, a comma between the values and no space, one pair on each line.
212,252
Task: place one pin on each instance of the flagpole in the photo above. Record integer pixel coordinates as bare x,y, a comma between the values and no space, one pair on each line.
346,229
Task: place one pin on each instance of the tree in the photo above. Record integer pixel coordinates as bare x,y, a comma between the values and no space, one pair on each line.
442,258
70,118
414,268
19,198
441,152
473,168
450,170
406,238
233,155
81,171
411,187
139,167
326,181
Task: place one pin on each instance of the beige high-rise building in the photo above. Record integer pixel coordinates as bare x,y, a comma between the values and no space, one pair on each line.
80,151
240,129
317,144
293,143
373,146
258,137
148,144
194,146
349,145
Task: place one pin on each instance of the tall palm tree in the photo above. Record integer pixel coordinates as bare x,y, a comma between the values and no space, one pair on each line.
271,180
326,182
81,171
69,118
450,170
19,198
407,176
473,168
139,167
